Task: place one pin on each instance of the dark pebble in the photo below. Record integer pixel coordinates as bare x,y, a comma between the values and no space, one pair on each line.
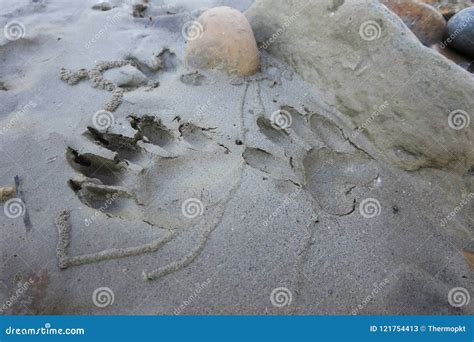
460,33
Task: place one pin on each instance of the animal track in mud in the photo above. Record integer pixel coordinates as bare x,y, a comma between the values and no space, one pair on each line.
147,176
316,154
165,61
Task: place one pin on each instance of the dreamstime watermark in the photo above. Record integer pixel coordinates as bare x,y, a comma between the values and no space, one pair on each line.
370,208
192,297
17,116
165,7
370,30
281,119
201,110
282,207
192,30
458,297
14,208
19,292
458,119
110,22
286,24
376,112
46,330
192,208
444,44
457,209
14,30
107,203
281,297
103,297
102,120
378,287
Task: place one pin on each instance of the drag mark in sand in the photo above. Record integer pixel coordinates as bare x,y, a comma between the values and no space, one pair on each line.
64,230
96,77
191,256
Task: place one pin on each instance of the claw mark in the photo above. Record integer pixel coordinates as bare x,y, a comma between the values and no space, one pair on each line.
243,128
93,166
191,256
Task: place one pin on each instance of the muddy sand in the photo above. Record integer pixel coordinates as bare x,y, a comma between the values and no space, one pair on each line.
155,188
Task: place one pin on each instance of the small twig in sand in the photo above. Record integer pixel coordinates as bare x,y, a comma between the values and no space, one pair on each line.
19,193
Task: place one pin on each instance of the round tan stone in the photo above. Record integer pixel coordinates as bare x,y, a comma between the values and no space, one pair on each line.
222,39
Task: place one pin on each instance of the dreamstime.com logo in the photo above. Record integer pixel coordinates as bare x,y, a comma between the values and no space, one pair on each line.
21,289
103,120
375,113
103,297
14,208
458,297
458,30
192,30
281,208
281,297
281,119
109,22
192,208
378,288
46,330
18,116
199,288
370,208
457,209
201,110
14,30
370,30
459,119
107,203
286,24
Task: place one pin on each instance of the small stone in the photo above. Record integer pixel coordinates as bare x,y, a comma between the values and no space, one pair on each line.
102,6
127,76
138,10
273,72
6,193
192,78
460,33
222,38
423,20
